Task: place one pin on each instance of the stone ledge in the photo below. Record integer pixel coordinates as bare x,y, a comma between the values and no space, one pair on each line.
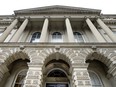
62,45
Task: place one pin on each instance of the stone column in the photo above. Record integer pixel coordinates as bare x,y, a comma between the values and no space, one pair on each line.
19,31
8,30
80,76
44,32
69,30
34,76
106,29
94,31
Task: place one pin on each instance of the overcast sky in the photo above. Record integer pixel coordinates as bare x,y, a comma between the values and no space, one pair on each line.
8,6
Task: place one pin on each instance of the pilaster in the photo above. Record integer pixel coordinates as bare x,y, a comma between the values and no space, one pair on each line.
80,76
34,75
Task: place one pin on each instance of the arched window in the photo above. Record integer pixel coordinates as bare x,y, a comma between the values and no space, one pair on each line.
56,73
56,37
35,37
78,37
20,79
95,80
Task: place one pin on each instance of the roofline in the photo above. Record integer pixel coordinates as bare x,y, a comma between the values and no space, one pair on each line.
43,7
54,6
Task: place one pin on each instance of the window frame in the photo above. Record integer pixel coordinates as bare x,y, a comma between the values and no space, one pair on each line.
36,36
100,80
77,39
56,39
16,76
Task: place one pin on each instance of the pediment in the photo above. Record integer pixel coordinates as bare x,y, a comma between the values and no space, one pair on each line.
57,9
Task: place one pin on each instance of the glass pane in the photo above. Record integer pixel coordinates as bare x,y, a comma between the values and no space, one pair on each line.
20,79
95,80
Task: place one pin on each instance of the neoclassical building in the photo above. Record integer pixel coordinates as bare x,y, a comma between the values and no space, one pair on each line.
58,46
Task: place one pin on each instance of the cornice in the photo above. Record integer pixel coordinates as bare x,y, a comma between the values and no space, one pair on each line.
110,21
61,45
5,22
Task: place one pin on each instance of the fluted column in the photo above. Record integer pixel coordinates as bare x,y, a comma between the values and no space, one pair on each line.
69,30
19,31
44,31
8,30
106,29
94,31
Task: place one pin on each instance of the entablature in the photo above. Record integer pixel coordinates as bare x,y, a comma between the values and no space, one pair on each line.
61,45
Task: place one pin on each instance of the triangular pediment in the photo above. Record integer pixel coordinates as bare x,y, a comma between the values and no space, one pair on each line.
58,9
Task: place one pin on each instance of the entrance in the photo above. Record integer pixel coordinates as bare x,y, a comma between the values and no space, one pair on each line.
56,85
56,74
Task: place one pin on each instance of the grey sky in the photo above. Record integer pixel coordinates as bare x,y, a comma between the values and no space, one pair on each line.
8,6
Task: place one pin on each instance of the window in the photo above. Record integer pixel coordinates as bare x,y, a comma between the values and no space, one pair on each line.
20,79
95,80
35,37
1,33
56,37
56,73
78,37
114,32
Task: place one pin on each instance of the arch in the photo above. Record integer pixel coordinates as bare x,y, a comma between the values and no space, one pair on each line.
101,70
105,55
14,69
101,57
56,69
57,56
16,56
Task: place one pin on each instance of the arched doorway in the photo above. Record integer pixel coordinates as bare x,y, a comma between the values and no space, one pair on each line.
98,73
16,74
56,73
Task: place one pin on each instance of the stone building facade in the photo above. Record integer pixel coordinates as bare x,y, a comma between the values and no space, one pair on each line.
58,46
